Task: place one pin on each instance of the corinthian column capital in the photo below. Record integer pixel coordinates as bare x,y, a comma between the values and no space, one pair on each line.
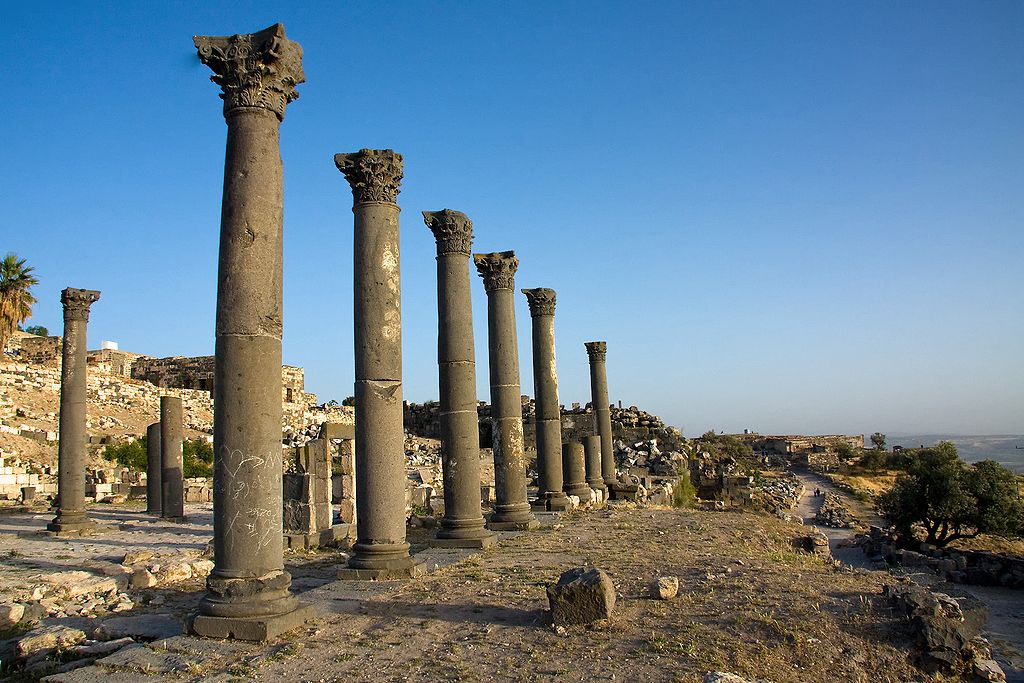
255,69
541,300
596,350
452,230
374,174
77,302
498,269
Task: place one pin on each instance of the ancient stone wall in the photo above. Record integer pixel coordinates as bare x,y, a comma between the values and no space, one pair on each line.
28,348
797,444
114,361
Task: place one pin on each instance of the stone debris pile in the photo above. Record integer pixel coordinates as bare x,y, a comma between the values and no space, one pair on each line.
947,630
779,494
834,513
648,454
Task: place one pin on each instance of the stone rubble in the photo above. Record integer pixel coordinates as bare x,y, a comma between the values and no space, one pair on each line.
580,596
834,513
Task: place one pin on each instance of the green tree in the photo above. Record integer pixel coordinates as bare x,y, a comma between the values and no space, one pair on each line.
37,330
951,500
131,455
845,451
878,439
16,301
197,458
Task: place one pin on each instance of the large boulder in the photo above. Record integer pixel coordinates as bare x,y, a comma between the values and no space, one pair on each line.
580,596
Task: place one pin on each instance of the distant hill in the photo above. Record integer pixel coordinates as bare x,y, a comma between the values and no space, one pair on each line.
1000,448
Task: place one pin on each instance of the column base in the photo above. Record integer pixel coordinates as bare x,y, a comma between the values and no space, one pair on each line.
156,513
381,562
481,542
551,501
527,525
78,525
598,485
257,628
581,491
175,520
622,491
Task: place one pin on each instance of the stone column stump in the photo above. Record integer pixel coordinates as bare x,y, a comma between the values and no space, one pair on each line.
574,471
154,489
172,482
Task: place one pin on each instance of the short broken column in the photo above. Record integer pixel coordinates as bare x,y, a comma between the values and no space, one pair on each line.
247,594
154,489
172,482
592,455
550,495
511,506
574,471
71,518
380,550
597,351
463,523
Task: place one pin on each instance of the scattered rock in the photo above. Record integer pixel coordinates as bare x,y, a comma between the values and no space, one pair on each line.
47,638
988,670
721,677
142,578
664,588
581,595
174,572
201,568
11,614
136,556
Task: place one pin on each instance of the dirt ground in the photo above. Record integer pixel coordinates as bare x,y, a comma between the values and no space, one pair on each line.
748,604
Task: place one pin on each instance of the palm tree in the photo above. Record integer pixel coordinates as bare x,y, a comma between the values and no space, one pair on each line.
15,298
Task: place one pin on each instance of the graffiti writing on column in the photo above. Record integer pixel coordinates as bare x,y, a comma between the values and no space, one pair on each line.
237,481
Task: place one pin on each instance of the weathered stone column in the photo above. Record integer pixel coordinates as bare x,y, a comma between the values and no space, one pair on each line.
511,507
545,388
154,489
597,350
574,471
463,523
172,490
71,517
380,551
592,454
247,593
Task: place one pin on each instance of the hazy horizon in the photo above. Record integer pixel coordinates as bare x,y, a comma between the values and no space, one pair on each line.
796,218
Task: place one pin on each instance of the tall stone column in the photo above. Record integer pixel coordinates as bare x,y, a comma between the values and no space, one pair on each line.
592,454
71,517
597,350
172,490
511,507
574,471
154,488
247,593
463,523
380,550
545,388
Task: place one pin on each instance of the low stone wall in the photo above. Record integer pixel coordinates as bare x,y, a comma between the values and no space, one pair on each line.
973,567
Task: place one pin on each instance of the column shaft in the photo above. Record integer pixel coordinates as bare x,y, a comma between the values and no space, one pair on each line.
172,492
511,507
545,387
380,550
72,434
463,522
154,490
247,593
602,412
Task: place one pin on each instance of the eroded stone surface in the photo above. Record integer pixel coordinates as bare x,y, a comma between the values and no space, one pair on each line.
580,596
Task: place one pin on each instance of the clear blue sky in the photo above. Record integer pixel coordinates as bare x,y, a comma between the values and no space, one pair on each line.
792,217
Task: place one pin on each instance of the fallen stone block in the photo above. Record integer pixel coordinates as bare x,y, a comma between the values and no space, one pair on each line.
47,638
11,614
581,596
140,627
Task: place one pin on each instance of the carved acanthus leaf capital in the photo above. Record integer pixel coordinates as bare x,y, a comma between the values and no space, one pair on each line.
597,350
77,302
498,269
254,69
541,300
452,230
374,174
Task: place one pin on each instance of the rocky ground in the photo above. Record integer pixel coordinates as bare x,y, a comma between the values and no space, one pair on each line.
749,603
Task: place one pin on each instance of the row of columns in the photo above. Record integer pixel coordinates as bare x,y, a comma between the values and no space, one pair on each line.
247,593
